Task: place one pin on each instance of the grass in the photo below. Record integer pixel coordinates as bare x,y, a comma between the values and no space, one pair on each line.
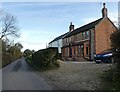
109,81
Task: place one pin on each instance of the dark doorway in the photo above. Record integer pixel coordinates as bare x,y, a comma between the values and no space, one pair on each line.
87,51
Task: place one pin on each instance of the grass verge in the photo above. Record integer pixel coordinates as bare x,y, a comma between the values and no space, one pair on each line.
109,81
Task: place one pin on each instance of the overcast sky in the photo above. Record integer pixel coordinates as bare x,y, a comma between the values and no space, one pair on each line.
42,22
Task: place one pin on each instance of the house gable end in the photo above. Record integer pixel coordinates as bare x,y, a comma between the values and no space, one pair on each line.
103,30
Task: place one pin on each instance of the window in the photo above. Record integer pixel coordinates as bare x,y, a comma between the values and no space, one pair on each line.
82,49
83,35
78,50
70,39
86,34
67,40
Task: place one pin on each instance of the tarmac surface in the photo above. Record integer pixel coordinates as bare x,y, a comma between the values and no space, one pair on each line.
20,76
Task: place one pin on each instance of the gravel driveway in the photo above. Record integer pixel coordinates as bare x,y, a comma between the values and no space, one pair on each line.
76,76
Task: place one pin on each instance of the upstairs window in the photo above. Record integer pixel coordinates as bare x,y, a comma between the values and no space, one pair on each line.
66,39
70,39
83,35
86,34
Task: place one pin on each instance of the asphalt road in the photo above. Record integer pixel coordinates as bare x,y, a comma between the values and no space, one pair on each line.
20,76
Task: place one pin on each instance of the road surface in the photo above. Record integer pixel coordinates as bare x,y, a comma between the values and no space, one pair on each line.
20,76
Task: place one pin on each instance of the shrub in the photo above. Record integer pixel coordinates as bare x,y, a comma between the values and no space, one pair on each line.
45,57
115,39
29,58
57,63
6,59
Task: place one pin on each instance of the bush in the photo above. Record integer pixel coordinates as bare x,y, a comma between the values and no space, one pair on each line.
29,58
57,63
111,80
115,39
6,59
46,58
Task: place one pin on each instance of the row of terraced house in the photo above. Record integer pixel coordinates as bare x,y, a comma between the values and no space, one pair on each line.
83,42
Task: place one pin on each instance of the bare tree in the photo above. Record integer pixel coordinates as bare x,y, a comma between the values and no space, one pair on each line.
9,27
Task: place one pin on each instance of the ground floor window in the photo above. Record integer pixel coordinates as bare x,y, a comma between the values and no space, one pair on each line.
82,50
79,50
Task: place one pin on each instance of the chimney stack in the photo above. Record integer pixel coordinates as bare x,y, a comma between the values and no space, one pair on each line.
104,11
71,27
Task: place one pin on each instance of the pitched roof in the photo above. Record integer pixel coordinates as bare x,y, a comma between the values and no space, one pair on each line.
84,28
59,37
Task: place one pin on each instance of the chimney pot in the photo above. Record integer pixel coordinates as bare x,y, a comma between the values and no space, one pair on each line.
71,27
104,11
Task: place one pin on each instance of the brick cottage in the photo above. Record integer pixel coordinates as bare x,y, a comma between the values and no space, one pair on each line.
83,42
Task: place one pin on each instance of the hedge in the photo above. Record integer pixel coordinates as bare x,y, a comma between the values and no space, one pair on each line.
45,57
6,59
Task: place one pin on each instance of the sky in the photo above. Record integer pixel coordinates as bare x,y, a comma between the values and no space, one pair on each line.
41,22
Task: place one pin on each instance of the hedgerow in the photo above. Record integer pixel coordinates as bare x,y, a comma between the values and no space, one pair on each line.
45,58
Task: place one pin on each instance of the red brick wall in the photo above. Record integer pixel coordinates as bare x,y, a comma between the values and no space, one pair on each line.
102,35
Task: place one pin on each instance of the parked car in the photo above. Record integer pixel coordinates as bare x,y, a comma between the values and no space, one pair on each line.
106,57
